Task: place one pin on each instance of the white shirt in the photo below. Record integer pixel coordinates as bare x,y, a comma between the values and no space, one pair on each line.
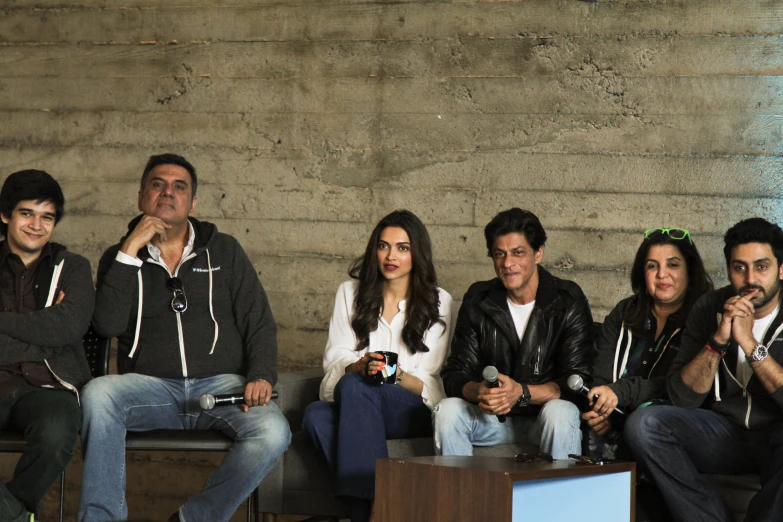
520,314
760,327
341,346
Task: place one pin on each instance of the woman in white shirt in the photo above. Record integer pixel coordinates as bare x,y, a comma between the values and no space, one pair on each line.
392,304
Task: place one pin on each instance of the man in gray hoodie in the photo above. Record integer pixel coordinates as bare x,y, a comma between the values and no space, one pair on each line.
47,298
191,318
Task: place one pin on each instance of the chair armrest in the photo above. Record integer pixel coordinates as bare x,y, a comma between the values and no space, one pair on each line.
296,391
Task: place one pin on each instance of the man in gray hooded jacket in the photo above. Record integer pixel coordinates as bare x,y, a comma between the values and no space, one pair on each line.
191,318
47,298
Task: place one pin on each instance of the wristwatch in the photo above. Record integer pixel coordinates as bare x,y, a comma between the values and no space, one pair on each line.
524,400
758,354
399,375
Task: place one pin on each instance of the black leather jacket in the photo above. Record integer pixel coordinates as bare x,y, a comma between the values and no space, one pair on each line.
557,343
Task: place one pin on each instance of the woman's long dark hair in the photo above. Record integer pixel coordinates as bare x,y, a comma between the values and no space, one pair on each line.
422,302
699,282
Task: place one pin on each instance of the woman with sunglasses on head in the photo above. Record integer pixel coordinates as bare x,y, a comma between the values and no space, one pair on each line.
392,304
639,338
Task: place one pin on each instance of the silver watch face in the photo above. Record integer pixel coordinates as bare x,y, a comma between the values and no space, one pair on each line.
759,353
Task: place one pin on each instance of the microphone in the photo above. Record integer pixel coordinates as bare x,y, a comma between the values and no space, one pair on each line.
577,384
207,401
490,374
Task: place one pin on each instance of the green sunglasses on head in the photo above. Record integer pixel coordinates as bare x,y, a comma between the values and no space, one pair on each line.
674,233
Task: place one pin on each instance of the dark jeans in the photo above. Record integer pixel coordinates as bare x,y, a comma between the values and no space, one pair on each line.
675,446
351,432
49,420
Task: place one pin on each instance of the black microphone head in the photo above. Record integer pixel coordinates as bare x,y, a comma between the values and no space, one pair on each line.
575,382
207,401
490,374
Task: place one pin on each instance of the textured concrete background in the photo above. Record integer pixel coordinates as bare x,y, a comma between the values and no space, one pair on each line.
308,121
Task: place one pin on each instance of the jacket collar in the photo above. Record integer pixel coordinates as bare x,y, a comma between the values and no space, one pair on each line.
546,294
46,257
495,305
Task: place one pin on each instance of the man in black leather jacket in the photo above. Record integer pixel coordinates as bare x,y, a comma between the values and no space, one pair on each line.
536,329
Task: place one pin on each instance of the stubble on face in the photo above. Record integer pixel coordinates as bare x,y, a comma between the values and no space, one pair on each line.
516,265
167,194
754,273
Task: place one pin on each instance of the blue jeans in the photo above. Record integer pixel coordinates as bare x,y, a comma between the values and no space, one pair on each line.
675,446
115,404
351,432
460,425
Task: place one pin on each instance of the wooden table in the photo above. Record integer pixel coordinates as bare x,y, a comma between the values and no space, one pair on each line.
498,489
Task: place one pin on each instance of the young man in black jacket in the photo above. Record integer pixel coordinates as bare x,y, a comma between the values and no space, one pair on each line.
191,318
47,296
536,329
726,385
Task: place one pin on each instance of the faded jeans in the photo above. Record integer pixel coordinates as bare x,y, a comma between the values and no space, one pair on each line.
460,425
115,404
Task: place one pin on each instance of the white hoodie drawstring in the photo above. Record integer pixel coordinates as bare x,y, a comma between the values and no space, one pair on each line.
141,304
58,268
211,312
138,318
617,352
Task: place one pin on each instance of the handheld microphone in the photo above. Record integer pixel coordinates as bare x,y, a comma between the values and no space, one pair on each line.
577,384
207,401
490,374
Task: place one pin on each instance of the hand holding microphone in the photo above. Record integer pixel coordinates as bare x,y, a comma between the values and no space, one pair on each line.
207,401
598,417
490,375
605,406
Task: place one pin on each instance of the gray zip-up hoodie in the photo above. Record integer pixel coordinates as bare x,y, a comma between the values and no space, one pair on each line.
228,326
751,406
52,334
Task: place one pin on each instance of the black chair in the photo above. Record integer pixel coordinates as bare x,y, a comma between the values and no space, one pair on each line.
98,351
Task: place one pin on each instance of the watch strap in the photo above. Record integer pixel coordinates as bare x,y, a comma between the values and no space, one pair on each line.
717,347
524,400
399,375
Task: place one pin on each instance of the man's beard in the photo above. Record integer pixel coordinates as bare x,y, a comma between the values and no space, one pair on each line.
762,297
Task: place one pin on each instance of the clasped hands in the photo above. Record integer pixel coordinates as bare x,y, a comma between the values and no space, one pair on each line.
737,322
500,400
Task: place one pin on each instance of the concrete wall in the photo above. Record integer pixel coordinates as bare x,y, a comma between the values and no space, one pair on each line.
308,121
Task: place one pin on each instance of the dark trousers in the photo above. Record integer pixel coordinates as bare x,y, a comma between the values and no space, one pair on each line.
675,446
351,432
50,421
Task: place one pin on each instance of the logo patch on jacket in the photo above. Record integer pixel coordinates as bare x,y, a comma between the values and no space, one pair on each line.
213,269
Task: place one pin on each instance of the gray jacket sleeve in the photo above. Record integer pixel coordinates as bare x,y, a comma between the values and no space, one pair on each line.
36,335
633,391
116,293
699,328
253,318
630,391
606,346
